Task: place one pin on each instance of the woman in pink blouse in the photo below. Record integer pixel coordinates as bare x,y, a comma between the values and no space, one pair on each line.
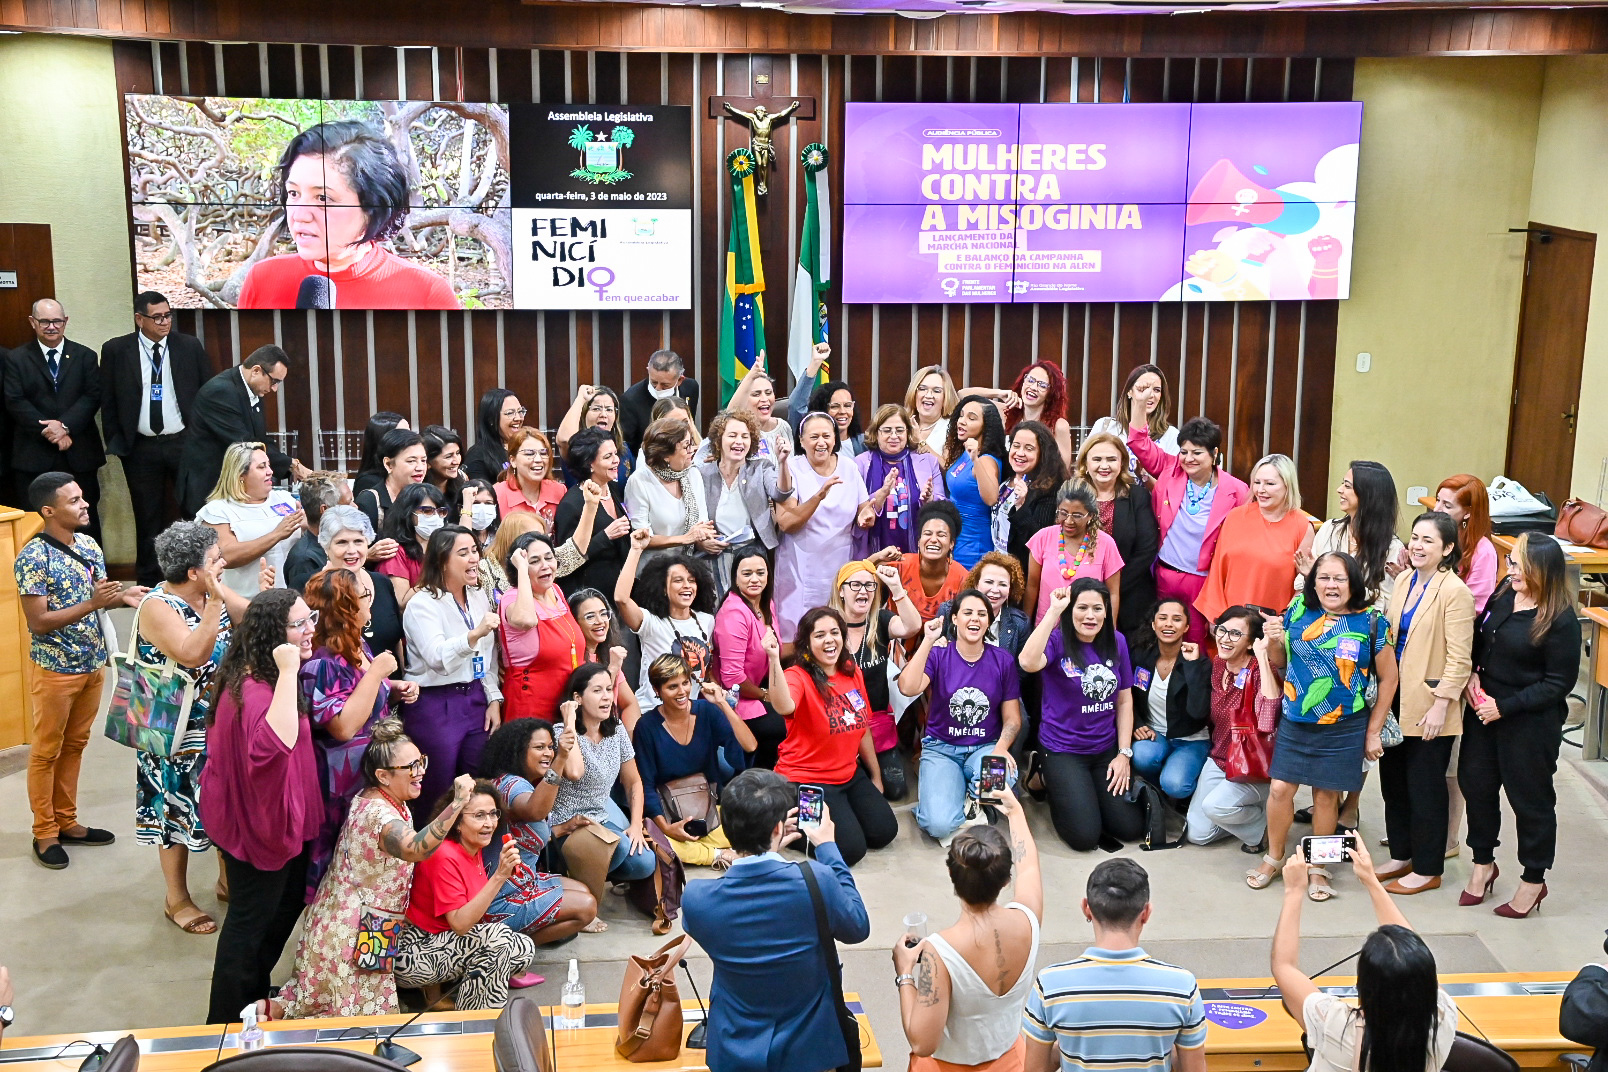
741,661
1463,499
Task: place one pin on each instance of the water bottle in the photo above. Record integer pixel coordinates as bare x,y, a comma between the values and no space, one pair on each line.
250,1033
573,1013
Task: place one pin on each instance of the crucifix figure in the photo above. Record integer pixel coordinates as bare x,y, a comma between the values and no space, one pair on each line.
760,122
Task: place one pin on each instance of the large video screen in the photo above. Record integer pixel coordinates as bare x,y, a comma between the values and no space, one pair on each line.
255,203
1098,202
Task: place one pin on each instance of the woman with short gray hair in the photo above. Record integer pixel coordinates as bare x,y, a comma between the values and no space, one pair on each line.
185,619
346,536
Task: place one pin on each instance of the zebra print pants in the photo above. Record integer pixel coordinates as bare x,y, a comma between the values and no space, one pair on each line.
485,959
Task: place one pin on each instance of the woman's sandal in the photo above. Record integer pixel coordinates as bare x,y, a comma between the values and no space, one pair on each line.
1257,879
200,923
597,926
1321,893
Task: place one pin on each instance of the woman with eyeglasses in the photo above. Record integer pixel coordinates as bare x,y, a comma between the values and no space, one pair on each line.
930,398
1127,516
818,522
871,627
345,535
1072,548
372,868
500,416
541,641
905,480
418,512
1332,646
260,795
974,461
1246,694
595,406
257,523
665,496
1085,729
530,483
743,660
346,689
1041,388
591,517
452,655
1526,661
448,933
1260,543
404,460
596,614
525,760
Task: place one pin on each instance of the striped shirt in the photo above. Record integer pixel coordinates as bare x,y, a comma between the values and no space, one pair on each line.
1115,1011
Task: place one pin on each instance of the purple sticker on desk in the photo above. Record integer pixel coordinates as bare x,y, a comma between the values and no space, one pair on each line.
1233,1016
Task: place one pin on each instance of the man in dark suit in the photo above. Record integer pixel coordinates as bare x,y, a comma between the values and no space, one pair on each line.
665,378
772,1003
228,409
150,379
52,390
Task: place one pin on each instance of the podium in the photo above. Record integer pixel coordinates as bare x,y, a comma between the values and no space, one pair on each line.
16,718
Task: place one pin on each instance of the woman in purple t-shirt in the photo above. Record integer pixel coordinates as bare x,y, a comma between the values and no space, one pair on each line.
260,797
1086,728
975,710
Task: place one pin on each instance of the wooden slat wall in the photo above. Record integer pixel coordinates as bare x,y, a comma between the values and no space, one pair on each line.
1262,370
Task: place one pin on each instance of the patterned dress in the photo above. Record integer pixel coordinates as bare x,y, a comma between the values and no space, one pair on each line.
327,682
167,791
327,981
531,897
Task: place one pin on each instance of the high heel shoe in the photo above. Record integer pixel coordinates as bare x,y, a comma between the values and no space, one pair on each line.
1507,911
1468,900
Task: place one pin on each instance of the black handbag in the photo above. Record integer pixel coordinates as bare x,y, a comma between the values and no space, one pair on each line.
847,1022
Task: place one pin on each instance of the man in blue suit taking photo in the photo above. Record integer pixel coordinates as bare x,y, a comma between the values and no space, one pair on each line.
774,1004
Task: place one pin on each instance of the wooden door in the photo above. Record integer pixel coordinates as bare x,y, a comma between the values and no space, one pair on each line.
1546,364
24,251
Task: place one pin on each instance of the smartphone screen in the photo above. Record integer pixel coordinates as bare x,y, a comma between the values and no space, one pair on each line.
1328,849
991,781
811,800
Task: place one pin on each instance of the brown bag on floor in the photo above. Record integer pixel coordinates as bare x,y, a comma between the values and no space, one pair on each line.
1582,523
587,852
650,1005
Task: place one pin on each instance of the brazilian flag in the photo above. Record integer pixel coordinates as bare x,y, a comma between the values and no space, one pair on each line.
742,314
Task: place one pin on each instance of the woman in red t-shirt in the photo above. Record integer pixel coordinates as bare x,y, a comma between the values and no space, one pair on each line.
828,739
445,936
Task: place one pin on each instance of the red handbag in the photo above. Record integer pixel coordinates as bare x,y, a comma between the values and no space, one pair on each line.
1249,752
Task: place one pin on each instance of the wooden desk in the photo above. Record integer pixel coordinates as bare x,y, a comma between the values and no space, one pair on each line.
1591,561
1249,1032
16,718
1591,741
446,1042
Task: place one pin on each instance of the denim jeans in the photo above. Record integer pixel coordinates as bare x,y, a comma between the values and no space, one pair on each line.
949,774
626,866
1173,765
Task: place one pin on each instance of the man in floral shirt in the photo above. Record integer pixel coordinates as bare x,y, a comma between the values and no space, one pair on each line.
61,576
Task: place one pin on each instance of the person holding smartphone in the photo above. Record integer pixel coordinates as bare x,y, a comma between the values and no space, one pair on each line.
975,712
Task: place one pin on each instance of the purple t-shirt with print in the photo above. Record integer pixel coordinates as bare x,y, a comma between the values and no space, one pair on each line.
967,697
1080,703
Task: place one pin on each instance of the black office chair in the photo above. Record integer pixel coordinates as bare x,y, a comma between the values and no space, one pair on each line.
519,1042
304,1059
1471,1054
124,1056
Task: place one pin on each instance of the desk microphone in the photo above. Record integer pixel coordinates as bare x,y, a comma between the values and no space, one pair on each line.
698,1037
316,292
397,1053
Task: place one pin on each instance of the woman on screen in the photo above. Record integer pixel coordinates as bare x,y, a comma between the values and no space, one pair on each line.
344,192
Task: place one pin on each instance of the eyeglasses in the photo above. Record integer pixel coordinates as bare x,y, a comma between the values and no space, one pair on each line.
860,586
418,766
274,381
156,318
52,323
1511,563
429,511
302,623
1042,385
1223,632
1062,516
482,816
520,412
595,616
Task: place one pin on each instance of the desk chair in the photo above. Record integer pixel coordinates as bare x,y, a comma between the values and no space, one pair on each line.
519,1041
1471,1054
304,1059
124,1056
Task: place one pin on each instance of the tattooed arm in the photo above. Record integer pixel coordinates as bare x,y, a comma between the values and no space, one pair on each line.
924,1003
1028,889
399,839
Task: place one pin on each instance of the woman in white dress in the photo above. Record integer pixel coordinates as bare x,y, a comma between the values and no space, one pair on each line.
256,522
818,523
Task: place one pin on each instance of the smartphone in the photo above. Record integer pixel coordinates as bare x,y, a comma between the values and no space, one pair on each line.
1478,696
991,782
1258,608
811,804
1328,849
696,828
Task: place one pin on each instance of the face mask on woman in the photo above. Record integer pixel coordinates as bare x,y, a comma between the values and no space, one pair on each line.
481,515
424,525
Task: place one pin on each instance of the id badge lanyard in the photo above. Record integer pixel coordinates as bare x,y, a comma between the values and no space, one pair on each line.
477,661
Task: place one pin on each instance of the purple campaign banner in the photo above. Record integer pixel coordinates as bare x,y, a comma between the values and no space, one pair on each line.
1099,202
1134,153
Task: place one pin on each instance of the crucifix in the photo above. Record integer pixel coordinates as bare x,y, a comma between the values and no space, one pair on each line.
762,114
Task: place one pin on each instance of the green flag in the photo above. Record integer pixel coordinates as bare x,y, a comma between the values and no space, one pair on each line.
807,325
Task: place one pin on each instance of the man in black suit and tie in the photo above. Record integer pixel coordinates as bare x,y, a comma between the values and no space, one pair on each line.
52,390
228,409
150,379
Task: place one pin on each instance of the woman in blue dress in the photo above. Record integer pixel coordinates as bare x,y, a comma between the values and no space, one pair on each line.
974,457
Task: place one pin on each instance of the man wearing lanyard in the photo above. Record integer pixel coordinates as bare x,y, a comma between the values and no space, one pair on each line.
151,377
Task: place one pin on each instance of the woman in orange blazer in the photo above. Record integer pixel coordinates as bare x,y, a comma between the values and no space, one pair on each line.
1431,615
